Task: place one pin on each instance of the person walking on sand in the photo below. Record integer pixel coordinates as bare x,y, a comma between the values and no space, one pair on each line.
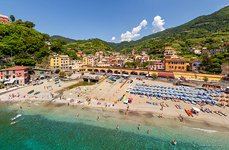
138,127
97,118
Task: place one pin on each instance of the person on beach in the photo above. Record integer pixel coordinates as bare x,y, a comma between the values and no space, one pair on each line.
97,118
77,115
127,108
138,127
162,108
160,116
117,127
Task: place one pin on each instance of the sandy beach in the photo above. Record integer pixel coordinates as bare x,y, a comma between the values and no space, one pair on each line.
105,95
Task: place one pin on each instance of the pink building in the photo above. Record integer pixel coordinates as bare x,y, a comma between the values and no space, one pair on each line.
15,75
4,19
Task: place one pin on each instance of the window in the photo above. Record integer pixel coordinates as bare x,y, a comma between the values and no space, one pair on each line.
7,71
13,76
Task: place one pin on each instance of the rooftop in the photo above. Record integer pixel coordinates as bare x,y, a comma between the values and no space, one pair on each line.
4,16
15,68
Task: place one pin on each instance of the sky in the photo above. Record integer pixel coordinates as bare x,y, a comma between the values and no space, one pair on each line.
109,20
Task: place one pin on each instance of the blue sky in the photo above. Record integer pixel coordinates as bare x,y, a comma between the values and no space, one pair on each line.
104,19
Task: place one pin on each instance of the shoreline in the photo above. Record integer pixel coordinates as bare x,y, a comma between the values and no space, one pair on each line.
134,115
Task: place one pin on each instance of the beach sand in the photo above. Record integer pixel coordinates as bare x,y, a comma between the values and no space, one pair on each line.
105,95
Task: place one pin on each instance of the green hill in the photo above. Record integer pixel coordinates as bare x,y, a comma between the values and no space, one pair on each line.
25,45
67,40
209,31
88,46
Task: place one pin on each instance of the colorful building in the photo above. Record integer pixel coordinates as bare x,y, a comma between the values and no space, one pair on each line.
15,75
75,65
195,65
169,52
4,19
175,64
61,62
157,65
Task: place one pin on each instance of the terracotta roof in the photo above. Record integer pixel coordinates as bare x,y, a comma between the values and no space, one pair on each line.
15,68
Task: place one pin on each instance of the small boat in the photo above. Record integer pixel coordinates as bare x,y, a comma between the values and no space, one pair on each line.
14,122
174,142
14,118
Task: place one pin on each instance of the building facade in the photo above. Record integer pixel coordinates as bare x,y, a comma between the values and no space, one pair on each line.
195,65
76,65
61,62
15,75
157,65
169,52
175,64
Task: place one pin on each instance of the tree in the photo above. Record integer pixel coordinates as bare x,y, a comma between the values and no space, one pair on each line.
57,45
12,18
62,73
154,76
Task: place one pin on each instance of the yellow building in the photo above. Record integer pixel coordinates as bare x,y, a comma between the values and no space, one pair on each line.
175,64
60,62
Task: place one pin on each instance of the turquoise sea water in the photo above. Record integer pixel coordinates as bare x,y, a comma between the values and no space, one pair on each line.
51,130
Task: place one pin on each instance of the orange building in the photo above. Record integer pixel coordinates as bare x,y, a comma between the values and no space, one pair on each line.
4,19
175,64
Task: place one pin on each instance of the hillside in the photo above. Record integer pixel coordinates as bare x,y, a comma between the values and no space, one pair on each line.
89,46
209,31
25,45
67,40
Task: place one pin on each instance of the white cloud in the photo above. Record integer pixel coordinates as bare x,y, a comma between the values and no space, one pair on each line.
113,38
129,36
158,24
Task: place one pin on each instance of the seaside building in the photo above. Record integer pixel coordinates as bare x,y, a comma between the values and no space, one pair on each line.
169,52
61,62
4,19
89,60
15,75
175,64
80,54
76,65
157,65
195,65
